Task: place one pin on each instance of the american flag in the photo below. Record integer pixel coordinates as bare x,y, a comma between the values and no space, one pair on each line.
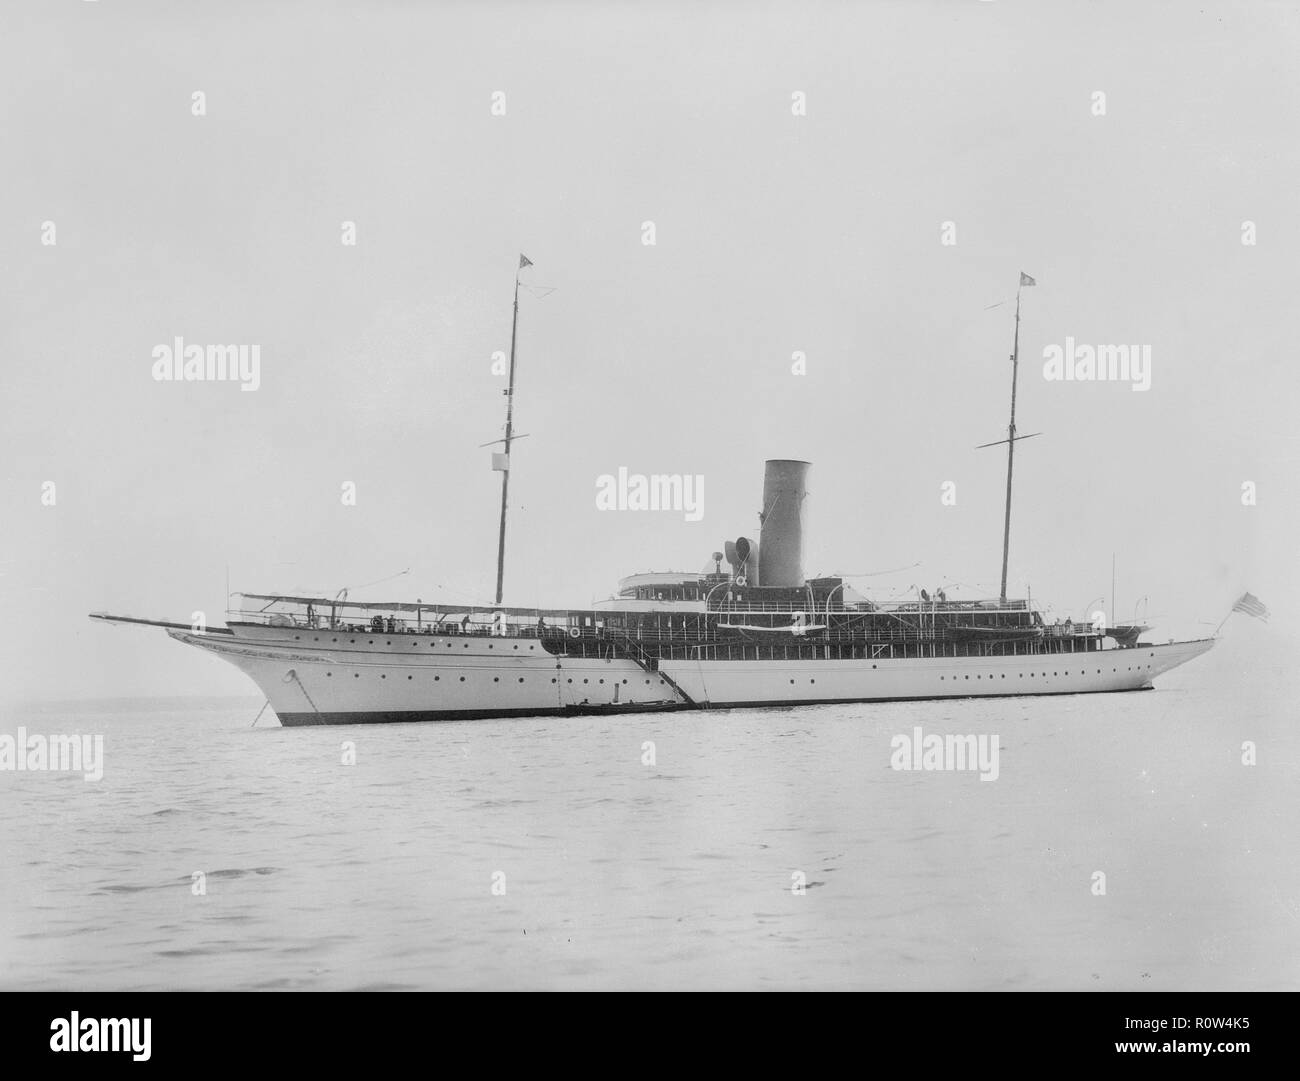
1251,605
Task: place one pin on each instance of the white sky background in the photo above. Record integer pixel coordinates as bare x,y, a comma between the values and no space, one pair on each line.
775,233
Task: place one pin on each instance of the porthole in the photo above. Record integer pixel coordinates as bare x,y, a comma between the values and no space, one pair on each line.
496,679
297,637
521,679
333,639
356,675
462,679
329,673
410,677
383,675
586,681
436,678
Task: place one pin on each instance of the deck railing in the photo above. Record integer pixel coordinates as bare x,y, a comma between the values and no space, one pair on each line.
852,629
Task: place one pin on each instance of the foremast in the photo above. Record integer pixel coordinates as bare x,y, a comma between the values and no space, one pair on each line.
502,461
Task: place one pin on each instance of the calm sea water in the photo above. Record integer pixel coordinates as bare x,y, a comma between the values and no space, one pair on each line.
321,875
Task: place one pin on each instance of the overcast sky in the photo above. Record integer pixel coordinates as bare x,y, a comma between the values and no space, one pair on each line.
775,233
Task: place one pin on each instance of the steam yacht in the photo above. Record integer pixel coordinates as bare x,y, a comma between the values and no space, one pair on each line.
752,631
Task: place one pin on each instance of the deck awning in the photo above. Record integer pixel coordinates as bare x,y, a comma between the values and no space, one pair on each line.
424,607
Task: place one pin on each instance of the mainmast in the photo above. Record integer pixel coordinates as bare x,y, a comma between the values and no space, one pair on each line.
1011,438
502,461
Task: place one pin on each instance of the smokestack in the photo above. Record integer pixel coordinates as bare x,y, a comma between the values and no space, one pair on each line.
785,494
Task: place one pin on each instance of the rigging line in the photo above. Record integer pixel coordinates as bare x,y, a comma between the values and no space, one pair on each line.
342,593
259,713
873,574
381,581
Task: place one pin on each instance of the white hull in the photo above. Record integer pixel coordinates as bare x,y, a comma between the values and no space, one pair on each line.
332,677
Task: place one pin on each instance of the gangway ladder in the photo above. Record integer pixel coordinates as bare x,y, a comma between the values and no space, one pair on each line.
651,665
